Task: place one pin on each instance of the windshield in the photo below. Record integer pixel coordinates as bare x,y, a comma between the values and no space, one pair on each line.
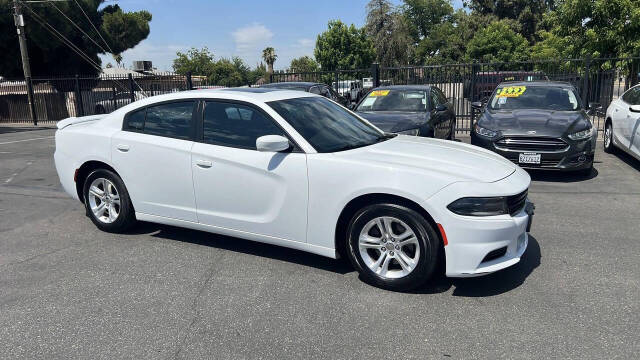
534,97
326,126
395,100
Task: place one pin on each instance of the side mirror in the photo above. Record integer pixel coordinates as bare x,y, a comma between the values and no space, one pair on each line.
634,108
477,105
272,143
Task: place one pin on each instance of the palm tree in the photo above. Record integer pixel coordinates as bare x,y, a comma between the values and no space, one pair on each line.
269,56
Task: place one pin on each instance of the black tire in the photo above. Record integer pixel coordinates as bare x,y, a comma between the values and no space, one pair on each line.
427,241
126,214
100,109
586,172
608,141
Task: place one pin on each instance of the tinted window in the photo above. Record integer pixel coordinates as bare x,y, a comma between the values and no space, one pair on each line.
435,101
534,97
235,125
326,126
441,98
170,120
394,100
135,120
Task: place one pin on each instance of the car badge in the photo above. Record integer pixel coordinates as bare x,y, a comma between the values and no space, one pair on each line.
532,132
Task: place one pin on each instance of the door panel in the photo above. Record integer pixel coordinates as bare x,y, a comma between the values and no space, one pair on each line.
634,128
240,188
263,193
620,123
157,173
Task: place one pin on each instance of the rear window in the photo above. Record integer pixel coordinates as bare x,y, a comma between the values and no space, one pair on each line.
169,120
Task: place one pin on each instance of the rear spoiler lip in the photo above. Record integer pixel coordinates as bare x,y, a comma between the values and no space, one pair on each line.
78,120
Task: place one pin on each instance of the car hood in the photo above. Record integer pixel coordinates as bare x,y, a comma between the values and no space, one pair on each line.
452,160
544,122
394,121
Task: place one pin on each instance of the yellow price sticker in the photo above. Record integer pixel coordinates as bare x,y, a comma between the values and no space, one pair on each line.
511,91
379,93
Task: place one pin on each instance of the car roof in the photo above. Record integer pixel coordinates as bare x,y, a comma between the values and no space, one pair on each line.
537,83
404,87
251,95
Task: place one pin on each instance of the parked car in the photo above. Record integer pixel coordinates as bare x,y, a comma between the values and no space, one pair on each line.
344,86
311,87
297,170
622,124
540,125
420,110
355,92
114,102
487,81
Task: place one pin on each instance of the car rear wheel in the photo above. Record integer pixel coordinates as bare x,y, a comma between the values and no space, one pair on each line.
608,138
107,201
392,246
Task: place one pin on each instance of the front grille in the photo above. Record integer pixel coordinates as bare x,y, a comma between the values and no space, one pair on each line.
531,144
517,202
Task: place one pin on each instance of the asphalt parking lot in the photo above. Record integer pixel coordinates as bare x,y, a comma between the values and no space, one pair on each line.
68,290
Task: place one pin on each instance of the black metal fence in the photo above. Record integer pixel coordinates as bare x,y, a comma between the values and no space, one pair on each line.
57,98
598,81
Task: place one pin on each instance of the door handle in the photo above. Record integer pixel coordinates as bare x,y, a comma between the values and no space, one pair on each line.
205,164
122,147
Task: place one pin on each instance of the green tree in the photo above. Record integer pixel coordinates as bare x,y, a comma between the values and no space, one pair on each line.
424,15
304,64
598,28
448,41
498,42
343,47
389,31
528,13
269,56
124,30
196,61
48,55
260,72
225,72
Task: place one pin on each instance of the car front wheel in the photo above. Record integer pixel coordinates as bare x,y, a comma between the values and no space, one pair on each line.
107,201
392,246
608,138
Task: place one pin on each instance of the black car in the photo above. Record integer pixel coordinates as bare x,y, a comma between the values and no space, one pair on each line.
420,110
541,124
311,87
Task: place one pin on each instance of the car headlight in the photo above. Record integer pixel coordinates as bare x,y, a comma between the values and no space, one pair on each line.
485,132
581,135
413,132
480,206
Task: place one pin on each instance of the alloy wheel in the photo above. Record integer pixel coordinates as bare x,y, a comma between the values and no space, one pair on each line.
104,200
389,247
607,136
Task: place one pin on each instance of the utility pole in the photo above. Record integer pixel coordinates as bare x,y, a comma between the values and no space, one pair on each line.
26,68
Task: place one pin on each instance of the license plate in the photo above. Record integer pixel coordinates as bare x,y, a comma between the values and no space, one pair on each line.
529,158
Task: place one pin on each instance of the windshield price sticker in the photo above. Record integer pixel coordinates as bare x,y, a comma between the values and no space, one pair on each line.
379,93
511,91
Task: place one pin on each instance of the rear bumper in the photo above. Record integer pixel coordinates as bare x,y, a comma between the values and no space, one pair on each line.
66,170
578,156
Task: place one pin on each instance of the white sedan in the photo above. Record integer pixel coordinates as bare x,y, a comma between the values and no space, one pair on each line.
622,126
297,170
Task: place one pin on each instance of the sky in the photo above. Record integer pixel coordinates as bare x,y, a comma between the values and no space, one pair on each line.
237,27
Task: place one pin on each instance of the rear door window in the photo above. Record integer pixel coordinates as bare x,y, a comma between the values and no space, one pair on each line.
171,120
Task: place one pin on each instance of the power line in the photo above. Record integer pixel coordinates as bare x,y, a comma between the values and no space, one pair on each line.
77,27
94,27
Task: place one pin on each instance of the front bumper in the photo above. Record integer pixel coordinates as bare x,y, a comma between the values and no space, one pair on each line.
579,154
482,245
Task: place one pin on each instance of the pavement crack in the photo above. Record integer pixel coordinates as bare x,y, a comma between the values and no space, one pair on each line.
194,306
